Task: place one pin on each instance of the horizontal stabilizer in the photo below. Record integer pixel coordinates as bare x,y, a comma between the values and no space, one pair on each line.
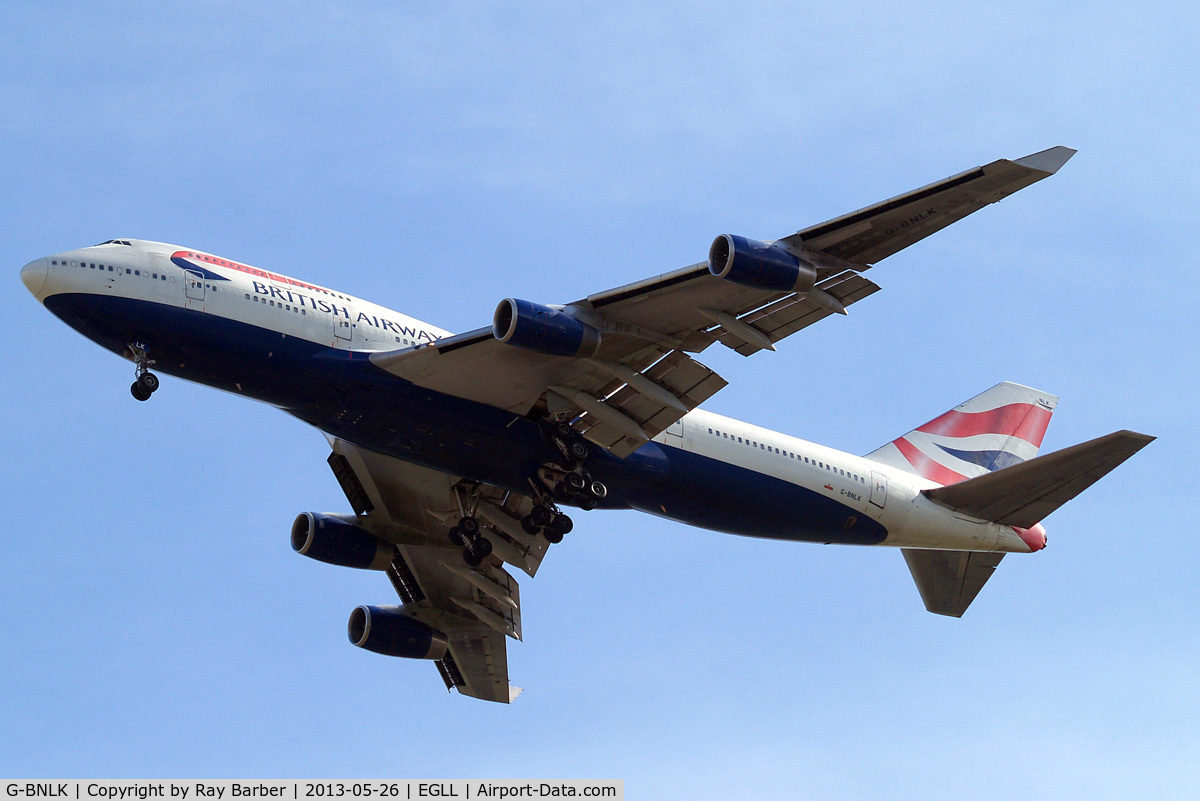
949,580
1024,494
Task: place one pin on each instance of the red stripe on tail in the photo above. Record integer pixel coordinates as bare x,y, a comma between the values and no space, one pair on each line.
1022,420
926,466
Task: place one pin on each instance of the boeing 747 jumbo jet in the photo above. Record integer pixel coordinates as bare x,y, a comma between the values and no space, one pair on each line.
457,453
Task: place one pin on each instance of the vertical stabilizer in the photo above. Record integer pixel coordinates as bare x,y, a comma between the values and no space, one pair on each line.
996,429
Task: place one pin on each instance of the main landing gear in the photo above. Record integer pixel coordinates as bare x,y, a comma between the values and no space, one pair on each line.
546,520
570,480
467,536
146,382
564,479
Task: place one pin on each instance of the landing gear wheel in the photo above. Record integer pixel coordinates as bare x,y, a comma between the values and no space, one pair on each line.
578,450
477,550
563,431
529,527
148,382
560,526
456,537
587,504
138,392
469,526
575,483
541,516
598,490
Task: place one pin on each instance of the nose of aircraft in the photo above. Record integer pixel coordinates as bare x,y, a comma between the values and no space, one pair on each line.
33,275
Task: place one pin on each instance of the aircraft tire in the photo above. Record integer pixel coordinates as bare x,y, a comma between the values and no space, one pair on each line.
541,516
138,392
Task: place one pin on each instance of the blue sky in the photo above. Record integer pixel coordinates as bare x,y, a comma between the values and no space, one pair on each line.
156,622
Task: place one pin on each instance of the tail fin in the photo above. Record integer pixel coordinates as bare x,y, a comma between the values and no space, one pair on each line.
996,429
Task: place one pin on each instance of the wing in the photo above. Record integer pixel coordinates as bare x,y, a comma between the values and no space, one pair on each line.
642,378
477,608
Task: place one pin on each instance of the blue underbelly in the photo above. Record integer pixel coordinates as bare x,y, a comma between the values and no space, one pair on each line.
343,393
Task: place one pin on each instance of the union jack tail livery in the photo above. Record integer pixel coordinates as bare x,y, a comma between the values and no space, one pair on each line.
1001,427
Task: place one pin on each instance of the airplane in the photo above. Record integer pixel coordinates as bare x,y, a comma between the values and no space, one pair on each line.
458,453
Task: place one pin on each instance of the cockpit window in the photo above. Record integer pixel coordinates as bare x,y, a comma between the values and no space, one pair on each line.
116,242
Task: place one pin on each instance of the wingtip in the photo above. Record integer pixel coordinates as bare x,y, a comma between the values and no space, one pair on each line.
1047,161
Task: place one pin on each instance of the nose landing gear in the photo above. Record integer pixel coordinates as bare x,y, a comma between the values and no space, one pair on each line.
146,382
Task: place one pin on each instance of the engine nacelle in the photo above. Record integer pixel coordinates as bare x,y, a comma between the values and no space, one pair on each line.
331,539
389,631
759,265
543,329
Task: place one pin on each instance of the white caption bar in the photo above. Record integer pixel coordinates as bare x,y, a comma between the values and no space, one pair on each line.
307,790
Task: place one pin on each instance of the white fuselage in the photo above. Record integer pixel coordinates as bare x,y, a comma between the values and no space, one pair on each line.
185,278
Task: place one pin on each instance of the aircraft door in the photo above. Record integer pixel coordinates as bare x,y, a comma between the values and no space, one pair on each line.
193,286
343,329
878,489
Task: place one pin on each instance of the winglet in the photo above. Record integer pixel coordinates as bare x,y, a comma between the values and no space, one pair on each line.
1047,161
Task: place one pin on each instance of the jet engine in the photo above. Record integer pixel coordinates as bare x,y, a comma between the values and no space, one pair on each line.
329,538
759,265
389,631
543,329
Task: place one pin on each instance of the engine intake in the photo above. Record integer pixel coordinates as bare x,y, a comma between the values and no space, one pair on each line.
389,631
759,265
331,539
543,329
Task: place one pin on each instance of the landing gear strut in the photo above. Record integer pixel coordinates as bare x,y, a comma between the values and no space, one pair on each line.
146,382
569,480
